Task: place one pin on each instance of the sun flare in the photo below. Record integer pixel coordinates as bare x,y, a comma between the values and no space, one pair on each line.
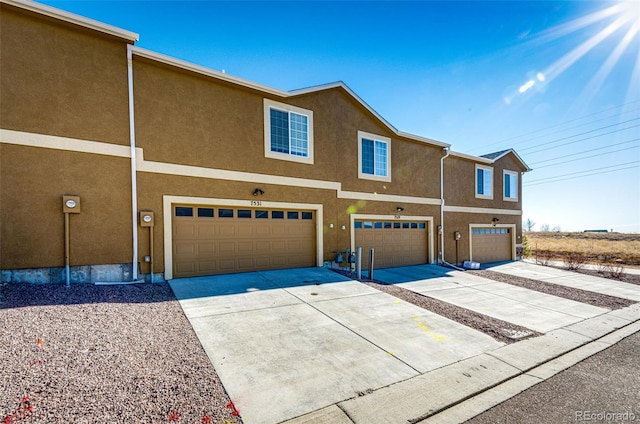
621,20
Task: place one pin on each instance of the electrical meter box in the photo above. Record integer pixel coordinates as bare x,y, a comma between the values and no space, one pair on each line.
147,219
70,204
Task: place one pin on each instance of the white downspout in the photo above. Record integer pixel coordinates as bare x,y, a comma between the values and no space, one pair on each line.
441,258
134,184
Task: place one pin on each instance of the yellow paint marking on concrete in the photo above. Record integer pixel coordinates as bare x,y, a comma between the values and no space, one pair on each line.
427,330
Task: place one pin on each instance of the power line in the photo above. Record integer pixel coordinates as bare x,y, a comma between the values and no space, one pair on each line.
579,176
586,151
578,126
583,139
561,177
588,157
582,133
561,123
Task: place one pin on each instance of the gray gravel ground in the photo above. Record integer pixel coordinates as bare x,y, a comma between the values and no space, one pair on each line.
103,354
608,382
496,328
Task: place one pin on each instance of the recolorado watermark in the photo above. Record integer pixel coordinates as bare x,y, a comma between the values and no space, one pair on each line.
605,416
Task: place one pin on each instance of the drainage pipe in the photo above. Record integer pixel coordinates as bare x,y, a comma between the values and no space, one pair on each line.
134,183
441,253
66,249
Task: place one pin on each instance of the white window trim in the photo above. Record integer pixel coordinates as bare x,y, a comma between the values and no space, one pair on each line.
475,182
271,104
375,137
504,197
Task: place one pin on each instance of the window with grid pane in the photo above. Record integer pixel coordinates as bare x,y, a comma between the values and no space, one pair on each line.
484,182
288,132
510,185
373,157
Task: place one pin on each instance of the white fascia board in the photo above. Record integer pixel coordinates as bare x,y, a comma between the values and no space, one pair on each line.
370,109
282,93
205,71
471,157
62,15
423,139
517,157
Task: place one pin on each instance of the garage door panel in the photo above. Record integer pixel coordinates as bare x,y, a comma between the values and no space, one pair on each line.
185,248
491,244
205,248
279,261
226,230
262,230
206,266
244,230
395,244
241,241
244,247
228,247
227,265
262,246
185,267
204,230
185,230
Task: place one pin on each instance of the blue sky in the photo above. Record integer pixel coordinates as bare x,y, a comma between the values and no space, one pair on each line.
559,81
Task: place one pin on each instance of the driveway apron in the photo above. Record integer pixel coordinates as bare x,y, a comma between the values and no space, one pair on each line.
537,311
286,343
571,279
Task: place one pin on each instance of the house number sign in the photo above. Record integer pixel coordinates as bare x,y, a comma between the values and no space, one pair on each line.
256,203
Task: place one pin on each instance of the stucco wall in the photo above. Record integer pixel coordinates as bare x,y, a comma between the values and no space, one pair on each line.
32,183
189,119
460,183
60,79
455,221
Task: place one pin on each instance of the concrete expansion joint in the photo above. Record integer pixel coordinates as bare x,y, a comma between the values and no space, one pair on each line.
562,361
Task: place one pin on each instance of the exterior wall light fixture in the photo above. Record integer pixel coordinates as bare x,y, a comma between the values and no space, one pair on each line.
258,191
495,221
399,208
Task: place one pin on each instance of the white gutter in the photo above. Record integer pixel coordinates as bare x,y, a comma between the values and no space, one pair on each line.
441,253
134,183
63,15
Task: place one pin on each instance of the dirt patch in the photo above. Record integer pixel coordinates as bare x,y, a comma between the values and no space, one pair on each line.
583,296
597,248
108,354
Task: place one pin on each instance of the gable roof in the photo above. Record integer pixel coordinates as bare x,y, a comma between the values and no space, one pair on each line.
495,156
281,93
491,158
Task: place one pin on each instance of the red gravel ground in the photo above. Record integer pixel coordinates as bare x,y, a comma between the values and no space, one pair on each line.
103,354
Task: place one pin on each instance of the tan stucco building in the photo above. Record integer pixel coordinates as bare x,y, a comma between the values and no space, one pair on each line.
235,176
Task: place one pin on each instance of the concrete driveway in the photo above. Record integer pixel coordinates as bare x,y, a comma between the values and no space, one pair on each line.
537,311
286,343
570,279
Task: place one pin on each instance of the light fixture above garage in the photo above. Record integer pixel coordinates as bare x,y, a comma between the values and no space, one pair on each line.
258,191
399,208
495,221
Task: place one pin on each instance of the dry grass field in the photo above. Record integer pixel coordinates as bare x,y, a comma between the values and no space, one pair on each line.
614,248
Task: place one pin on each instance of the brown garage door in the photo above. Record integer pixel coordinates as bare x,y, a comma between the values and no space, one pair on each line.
221,240
396,243
491,244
